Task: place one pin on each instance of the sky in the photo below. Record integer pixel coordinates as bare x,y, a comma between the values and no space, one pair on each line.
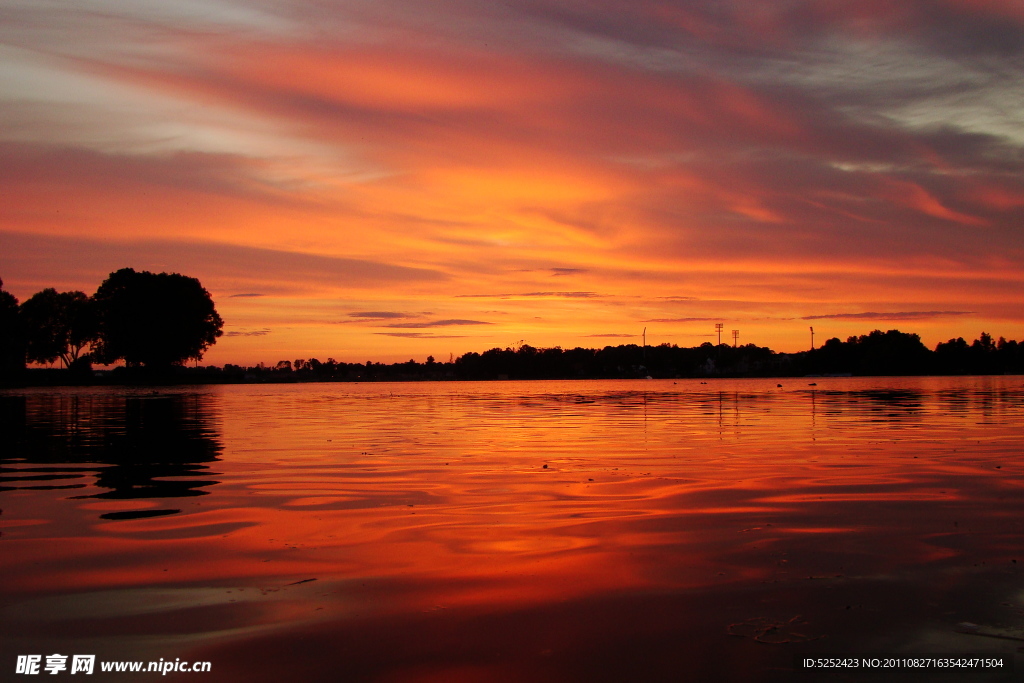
387,179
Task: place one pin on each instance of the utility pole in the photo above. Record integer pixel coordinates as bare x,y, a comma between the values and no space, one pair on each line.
812,339
735,336
718,329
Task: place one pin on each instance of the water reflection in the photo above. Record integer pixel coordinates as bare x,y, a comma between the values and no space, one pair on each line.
133,447
579,531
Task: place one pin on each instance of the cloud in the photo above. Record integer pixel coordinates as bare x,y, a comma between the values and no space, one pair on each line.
380,315
440,323
420,335
683,320
247,333
807,156
93,259
905,315
564,295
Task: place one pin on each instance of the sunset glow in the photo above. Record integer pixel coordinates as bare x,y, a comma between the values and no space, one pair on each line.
390,180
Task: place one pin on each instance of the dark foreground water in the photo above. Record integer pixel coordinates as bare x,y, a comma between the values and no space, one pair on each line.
515,531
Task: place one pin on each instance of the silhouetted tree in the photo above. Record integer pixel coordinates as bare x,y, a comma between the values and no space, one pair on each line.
834,356
154,319
984,343
12,338
982,356
59,325
953,356
1011,355
889,353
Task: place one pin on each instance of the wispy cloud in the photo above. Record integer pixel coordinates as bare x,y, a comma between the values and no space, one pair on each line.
247,333
680,159
380,315
228,262
420,335
682,320
904,315
556,295
440,323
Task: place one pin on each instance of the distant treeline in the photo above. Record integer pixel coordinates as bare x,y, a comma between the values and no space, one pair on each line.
877,353
154,323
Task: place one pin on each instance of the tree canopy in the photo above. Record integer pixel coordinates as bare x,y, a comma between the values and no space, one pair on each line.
59,325
12,340
154,319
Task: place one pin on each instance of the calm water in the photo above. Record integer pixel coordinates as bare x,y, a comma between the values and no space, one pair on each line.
514,531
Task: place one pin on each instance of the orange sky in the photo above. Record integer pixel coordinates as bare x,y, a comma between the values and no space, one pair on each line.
390,180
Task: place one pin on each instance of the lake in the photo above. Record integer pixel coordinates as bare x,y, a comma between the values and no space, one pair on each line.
515,531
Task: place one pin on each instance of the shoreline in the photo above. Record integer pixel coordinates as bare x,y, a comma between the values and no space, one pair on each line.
200,378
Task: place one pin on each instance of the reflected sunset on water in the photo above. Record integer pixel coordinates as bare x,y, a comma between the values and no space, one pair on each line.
462,531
